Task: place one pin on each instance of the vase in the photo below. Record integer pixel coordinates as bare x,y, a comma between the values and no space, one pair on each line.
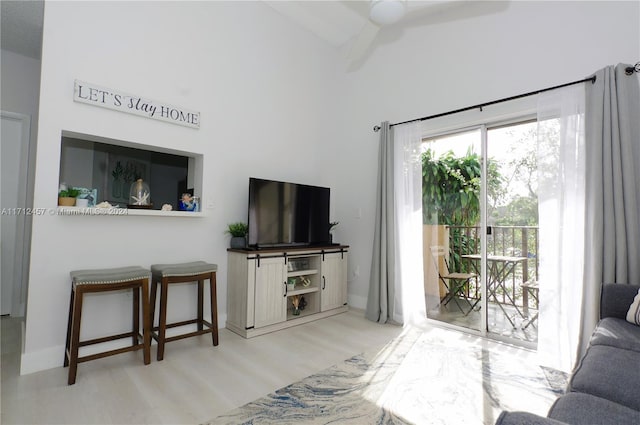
116,189
66,201
82,202
238,242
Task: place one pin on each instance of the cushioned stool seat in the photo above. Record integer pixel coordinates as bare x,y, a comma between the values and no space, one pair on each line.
165,274
106,280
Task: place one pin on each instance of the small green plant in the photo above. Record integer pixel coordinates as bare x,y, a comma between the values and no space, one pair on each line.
238,229
69,193
333,224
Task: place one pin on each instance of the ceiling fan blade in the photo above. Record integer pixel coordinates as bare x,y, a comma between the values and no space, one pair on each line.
363,42
437,12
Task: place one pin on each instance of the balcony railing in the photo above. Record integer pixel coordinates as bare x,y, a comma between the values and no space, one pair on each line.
517,241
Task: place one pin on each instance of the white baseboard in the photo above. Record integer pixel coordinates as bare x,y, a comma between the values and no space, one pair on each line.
358,302
36,361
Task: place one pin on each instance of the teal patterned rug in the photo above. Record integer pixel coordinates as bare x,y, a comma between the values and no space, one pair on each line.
422,377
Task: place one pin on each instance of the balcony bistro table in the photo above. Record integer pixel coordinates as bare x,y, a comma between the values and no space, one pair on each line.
499,267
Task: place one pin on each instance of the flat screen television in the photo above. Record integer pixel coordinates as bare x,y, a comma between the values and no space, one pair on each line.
285,214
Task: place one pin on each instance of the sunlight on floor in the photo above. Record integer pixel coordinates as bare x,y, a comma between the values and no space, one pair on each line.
436,375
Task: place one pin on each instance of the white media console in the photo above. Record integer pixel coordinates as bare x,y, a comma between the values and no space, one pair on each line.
264,285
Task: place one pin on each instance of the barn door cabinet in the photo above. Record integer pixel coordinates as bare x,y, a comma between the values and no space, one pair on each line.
264,287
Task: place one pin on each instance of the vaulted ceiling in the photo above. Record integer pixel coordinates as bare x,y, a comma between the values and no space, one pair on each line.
345,25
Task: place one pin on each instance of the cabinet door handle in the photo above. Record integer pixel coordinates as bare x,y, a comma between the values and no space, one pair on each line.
285,290
324,282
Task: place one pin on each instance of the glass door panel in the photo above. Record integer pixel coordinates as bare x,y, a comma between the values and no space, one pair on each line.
512,231
452,175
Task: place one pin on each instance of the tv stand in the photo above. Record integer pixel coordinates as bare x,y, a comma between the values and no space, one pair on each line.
261,247
264,285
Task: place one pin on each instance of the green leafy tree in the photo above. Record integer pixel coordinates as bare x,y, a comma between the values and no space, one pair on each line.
451,196
451,188
520,207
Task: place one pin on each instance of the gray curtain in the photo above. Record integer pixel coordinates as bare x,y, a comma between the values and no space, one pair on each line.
380,303
612,133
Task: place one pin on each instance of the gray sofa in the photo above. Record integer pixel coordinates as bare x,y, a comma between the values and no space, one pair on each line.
605,385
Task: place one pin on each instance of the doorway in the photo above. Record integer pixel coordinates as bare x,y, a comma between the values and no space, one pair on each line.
480,221
14,155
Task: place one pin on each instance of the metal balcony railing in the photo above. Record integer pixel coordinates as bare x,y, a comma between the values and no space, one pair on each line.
518,241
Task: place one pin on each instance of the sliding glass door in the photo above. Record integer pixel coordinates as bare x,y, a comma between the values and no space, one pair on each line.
480,229
512,231
451,195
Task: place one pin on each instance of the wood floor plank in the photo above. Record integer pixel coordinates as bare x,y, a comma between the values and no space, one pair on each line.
194,383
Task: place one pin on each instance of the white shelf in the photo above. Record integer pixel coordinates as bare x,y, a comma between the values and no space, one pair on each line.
305,312
77,211
302,272
301,291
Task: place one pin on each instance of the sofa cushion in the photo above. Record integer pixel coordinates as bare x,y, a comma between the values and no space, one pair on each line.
524,418
633,315
616,299
617,333
610,373
579,409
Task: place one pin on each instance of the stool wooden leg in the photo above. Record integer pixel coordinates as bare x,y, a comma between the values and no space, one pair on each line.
152,314
162,325
75,336
136,316
146,325
200,302
67,345
214,309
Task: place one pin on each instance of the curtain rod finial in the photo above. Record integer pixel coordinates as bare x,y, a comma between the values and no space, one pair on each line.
631,69
376,128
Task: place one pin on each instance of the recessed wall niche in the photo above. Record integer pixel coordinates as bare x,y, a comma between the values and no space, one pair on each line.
111,166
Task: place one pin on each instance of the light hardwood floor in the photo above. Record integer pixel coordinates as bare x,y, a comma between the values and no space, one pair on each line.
194,383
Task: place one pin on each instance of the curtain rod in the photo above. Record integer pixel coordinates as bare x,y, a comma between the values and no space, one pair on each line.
482,105
628,71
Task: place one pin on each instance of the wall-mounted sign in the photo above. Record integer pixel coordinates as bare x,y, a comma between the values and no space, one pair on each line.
112,99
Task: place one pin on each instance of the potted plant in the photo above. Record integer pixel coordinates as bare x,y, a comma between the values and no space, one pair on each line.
332,224
238,232
67,197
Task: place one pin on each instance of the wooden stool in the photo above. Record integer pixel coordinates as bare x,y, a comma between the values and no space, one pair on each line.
88,281
165,274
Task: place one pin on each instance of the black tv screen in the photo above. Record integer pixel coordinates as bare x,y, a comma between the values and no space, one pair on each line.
287,214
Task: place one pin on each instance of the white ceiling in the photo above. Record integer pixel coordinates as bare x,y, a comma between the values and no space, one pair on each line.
336,22
342,24
21,27
346,25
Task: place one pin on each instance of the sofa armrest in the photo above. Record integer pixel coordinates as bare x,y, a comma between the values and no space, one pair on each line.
524,418
616,299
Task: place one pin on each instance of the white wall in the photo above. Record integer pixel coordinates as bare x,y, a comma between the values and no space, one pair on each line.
425,70
262,86
275,103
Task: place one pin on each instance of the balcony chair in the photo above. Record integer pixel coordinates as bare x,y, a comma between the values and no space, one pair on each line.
529,288
456,283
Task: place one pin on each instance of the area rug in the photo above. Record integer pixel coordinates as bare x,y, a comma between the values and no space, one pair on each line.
431,376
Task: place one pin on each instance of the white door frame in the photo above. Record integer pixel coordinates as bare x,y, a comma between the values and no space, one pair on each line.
21,243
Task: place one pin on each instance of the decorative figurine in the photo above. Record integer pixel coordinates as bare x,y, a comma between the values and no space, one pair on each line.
189,202
295,300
